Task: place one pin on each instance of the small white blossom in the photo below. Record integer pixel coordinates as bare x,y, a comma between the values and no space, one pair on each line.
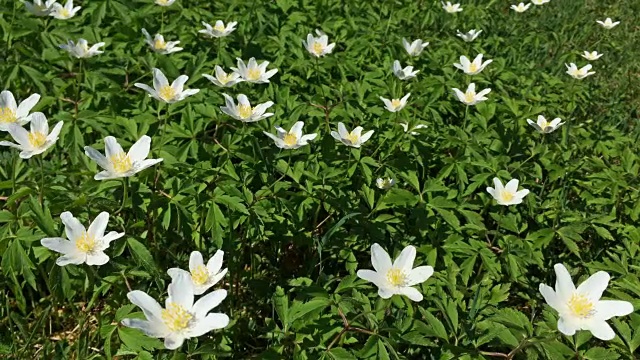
219,29
158,44
165,2
37,140
608,23
403,74
398,277
202,276
472,68
414,48
582,308
254,73
243,111
40,8
470,36
591,55
82,50
291,139
164,92
520,8
451,8
64,12
412,130
318,46
223,79
581,73
11,113
83,246
470,97
385,184
395,105
545,127
508,194
118,164
354,139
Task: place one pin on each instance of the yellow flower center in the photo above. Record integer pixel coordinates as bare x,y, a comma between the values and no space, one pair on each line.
121,163
580,306
64,13
290,139
37,139
254,74
159,44
224,79
7,115
317,48
396,277
395,103
200,275
175,317
245,111
473,67
219,27
543,124
507,195
470,97
163,2
353,137
167,93
86,243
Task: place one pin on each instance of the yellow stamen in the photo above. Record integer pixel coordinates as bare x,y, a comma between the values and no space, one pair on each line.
395,103
200,275
159,44
290,139
121,163
245,111
396,277
86,243
64,13
175,317
219,27
254,74
473,67
507,195
7,116
580,306
167,93
317,48
37,139
470,97
353,137
224,79
543,124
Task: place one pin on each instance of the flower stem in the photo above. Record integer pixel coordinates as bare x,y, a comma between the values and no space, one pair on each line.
219,47
125,193
466,115
41,196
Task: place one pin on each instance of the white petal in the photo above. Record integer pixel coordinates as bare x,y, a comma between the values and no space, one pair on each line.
380,259
97,258
564,284
419,275
59,245
411,293
208,302
595,285
406,258
140,150
606,309
601,330
215,263
181,291
195,260
211,322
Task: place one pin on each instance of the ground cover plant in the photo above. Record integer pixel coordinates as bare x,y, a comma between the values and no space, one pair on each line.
297,179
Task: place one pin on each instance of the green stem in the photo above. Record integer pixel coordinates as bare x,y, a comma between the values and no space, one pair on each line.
162,21
125,193
466,115
318,81
41,181
218,54
13,171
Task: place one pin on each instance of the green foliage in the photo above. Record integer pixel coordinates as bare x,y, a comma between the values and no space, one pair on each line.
296,225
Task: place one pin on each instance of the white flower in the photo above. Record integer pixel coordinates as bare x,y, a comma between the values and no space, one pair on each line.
82,246
223,79
520,7
581,73
470,97
82,49
509,194
64,12
451,8
545,127
158,44
164,92
36,141
11,113
116,163
470,36
592,55
354,139
395,105
412,131
540,2
219,29
254,73
608,23
472,68
385,184
397,278
165,2
202,276
243,111
581,308
38,8
291,139
318,46
403,74
414,48
180,319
